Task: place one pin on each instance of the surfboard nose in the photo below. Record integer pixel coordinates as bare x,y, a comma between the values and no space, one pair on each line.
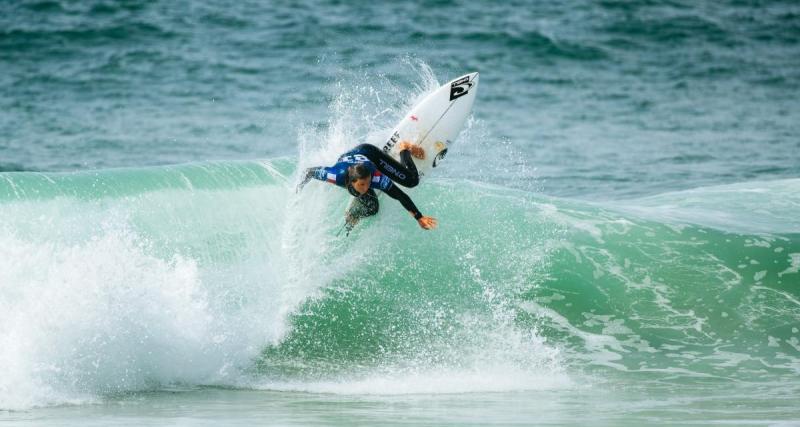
473,77
463,84
470,77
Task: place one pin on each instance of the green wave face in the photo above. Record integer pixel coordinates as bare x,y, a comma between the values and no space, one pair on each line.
546,284
220,274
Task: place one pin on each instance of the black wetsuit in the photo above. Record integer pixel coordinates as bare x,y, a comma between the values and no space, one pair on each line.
386,171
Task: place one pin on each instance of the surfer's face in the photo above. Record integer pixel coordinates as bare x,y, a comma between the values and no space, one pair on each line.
361,185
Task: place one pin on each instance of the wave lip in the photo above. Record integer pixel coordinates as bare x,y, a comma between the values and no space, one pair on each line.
749,207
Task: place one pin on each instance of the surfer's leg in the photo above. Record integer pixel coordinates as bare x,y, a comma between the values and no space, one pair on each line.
408,162
404,173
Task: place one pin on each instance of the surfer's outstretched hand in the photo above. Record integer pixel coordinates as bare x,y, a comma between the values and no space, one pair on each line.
428,222
307,175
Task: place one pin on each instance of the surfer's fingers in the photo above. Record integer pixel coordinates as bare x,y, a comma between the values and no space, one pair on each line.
427,222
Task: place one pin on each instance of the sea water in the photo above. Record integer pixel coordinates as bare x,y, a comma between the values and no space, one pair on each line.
619,238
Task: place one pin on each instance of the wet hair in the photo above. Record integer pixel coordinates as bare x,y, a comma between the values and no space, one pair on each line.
358,171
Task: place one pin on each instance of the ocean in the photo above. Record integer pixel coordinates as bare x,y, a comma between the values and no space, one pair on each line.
619,238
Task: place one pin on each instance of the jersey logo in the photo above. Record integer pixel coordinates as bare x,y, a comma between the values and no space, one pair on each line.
354,158
331,178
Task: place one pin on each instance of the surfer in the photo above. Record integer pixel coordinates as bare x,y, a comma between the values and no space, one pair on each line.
365,169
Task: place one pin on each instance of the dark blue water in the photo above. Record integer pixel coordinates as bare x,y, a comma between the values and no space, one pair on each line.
600,99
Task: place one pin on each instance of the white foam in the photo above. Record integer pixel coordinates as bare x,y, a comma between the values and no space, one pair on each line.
115,295
446,381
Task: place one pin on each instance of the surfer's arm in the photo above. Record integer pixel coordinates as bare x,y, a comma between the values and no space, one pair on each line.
317,172
396,193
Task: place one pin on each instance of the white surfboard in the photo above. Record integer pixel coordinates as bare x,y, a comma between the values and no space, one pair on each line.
435,122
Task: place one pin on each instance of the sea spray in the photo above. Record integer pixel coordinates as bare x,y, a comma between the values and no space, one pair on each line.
128,280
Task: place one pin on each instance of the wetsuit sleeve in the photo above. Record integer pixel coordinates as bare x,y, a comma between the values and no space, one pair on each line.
398,194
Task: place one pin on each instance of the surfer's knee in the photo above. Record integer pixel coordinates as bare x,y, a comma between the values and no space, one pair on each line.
368,150
411,178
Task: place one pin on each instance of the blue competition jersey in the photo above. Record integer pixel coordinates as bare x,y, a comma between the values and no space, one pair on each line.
384,169
337,174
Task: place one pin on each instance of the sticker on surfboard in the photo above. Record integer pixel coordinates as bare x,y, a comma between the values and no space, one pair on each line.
435,122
